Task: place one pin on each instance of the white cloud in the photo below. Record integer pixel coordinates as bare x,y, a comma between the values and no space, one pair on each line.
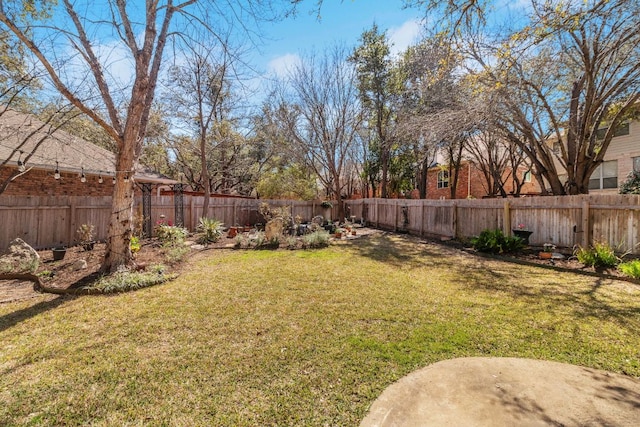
283,64
404,36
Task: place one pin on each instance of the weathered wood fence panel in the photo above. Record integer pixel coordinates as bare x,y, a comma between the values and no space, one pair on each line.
565,221
45,222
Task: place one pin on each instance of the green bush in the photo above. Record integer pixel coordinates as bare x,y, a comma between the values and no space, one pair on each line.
130,280
317,239
134,244
211,230
495,242
171,233
598,255
630,268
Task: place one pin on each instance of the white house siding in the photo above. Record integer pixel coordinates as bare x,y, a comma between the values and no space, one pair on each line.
623,149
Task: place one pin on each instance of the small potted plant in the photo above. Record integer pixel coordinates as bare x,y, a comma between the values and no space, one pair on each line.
85,236
547,251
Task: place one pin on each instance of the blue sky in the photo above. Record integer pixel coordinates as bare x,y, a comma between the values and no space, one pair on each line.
340,22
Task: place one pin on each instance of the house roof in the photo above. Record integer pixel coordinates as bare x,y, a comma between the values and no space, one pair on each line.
20,133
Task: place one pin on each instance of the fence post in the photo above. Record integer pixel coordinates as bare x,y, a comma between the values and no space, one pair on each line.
454,220
377,214
506,219
72,219
422,218
235,214
395,216
586,228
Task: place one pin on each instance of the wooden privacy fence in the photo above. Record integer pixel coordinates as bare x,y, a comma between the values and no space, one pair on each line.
45,221
562,220
565,221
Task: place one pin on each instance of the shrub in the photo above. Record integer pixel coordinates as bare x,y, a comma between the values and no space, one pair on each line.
269,213
630,268
317,239
211,230
85,233
598,255
495,242
292,242
170,233
174,252
241,241
134,244
123,281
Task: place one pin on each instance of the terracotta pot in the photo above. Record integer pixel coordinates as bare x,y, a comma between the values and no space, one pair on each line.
545,255
338,235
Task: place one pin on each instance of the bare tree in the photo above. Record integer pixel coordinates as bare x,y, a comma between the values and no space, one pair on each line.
198,93
320,116
119,104
567,81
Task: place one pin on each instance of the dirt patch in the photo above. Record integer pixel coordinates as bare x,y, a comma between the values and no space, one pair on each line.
66,274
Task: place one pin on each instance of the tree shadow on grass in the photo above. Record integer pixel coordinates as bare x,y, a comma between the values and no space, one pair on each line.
396,250
545,287
11,319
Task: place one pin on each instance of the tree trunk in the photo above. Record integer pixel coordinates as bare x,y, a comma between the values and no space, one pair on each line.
118,252
206,181
422,184
385,173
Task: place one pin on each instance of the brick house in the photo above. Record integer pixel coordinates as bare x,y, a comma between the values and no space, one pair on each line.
48,162
622,157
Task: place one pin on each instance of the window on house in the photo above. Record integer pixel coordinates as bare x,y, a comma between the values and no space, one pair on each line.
605,176
443,179
526,177
636,164
621,130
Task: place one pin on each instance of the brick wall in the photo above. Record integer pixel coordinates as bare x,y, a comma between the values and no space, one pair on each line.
470,183
39,182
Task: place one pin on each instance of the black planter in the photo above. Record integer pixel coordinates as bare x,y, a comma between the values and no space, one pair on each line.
523,234
59,253
88,246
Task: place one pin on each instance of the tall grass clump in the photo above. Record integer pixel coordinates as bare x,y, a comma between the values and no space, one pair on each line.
211,230
598,255
630,268
124,281
317,239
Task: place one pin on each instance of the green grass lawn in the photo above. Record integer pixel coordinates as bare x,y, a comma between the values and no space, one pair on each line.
297,337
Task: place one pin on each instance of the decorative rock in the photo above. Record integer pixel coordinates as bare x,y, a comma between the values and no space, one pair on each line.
273,229
557,255
197,247
80,264
19,258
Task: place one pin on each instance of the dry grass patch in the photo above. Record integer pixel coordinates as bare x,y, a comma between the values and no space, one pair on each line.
297,337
